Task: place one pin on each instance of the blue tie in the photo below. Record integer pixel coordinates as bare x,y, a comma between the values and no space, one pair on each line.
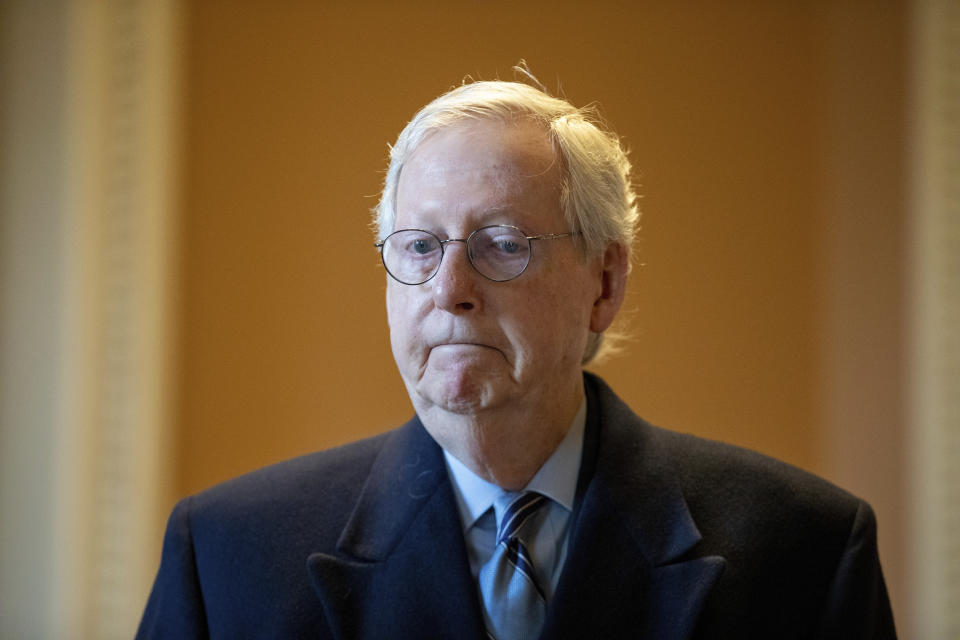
514,604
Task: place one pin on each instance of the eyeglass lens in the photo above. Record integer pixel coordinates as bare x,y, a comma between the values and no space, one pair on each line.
498,252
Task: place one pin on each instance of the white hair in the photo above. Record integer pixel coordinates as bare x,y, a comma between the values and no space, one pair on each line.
596,194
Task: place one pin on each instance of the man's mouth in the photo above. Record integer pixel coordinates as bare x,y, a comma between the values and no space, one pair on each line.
464,345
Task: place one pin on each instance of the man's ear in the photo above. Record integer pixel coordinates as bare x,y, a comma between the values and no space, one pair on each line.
614,267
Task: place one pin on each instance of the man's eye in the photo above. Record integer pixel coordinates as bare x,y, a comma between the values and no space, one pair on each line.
507,246
421,246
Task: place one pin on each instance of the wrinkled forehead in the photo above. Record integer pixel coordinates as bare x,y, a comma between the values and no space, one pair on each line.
481,166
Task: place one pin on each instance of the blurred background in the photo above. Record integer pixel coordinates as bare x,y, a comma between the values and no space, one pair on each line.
189,291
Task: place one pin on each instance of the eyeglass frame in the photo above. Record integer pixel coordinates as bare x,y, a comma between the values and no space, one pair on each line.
466,241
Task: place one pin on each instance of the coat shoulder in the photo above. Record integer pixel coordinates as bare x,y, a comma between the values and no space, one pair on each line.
330,471
304,501
730,473
768,518
735,493
712,472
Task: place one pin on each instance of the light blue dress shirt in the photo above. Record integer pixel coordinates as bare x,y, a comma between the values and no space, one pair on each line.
556,479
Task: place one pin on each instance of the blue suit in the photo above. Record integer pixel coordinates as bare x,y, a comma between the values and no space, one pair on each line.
672,537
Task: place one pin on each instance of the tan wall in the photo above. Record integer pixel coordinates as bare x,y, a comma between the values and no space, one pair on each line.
767,138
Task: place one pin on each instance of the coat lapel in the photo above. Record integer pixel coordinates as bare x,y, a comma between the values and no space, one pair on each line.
401,567
632,569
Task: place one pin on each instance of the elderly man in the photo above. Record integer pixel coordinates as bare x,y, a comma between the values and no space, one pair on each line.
524,499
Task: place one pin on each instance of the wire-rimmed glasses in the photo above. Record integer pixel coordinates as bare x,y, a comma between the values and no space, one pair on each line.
498,252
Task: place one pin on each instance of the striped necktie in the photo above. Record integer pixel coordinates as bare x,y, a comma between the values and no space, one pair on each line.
514,604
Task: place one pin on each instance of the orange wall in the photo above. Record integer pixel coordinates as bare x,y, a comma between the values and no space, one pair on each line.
732,114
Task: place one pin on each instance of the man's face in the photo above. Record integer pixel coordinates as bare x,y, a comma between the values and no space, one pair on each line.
463,343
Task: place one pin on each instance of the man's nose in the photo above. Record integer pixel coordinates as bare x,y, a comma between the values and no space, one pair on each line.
456,287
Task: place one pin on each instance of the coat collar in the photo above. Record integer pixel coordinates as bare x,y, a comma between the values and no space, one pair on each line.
401,567
632,552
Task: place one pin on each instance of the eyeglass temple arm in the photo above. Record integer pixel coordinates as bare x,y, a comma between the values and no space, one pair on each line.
545,236
553,236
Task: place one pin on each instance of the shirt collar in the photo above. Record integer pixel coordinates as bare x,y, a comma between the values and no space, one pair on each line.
556,479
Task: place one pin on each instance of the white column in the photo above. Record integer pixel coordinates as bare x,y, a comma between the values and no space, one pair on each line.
88,202
935,322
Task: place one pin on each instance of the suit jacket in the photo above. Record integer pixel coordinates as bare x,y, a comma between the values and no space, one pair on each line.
672,537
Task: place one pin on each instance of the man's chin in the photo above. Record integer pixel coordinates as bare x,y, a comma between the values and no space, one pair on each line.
462,403
458,394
